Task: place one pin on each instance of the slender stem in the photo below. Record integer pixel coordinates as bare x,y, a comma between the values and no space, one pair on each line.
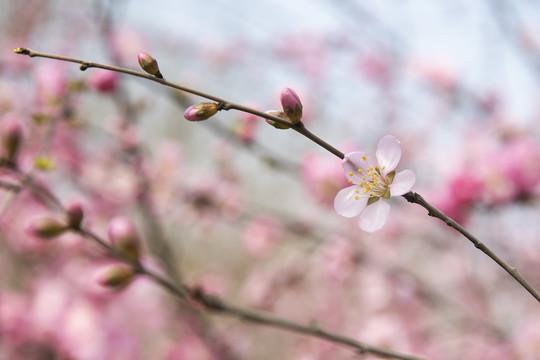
413,197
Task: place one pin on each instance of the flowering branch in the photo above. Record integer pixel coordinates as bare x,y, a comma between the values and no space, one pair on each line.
300,128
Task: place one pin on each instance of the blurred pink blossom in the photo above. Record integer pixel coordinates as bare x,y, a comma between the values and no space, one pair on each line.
102,80
323,177
261,236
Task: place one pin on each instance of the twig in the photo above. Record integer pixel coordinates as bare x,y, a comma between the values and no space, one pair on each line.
413,197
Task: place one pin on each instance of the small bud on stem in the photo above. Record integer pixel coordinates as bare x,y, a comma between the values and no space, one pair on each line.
116,276
201,111
12,140
124,238
291,105
75,214
279,114
149,64
46,227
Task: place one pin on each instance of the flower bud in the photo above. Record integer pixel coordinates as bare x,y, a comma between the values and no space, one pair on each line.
279,114
46,227
149,64
291,105
201,111
116,276
12,139
75,214
124,238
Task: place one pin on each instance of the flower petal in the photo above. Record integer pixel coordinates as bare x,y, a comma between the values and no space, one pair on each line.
353,162
347,205
388,153
374,216
403,182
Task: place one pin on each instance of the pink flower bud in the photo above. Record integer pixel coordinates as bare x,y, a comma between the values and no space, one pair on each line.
124,238
279,114
291,105
75,214
12,139
46,227
115,276
201,111
149,64
103,80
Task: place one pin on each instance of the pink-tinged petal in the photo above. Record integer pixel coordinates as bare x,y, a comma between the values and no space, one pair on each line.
347,205
403,182
353,162
374,216
388,153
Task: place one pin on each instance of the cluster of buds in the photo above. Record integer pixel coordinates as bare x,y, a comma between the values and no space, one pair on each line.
292,109
291,113
126,244
122,234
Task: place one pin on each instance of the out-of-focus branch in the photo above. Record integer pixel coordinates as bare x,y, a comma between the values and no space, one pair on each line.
217,305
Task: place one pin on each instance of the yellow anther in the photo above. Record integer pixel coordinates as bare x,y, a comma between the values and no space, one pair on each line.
360,171
351,173
357,191
350,181
356,197
364,157
365,190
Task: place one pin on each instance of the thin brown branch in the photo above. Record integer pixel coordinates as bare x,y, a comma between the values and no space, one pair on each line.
413,197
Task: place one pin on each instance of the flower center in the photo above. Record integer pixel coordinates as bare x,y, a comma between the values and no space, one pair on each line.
374,184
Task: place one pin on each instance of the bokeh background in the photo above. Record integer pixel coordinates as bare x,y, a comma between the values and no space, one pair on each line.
245,211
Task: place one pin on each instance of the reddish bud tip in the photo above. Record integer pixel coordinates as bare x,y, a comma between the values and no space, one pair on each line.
279,114
291,105
46,227
75,214
201,111
124,237
149,64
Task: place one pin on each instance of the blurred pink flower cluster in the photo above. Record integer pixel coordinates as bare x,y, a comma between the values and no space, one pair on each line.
495,173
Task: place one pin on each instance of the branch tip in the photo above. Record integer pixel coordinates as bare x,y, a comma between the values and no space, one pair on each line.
22,51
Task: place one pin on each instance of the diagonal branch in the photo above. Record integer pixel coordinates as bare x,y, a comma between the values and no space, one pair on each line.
300,128
413,197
